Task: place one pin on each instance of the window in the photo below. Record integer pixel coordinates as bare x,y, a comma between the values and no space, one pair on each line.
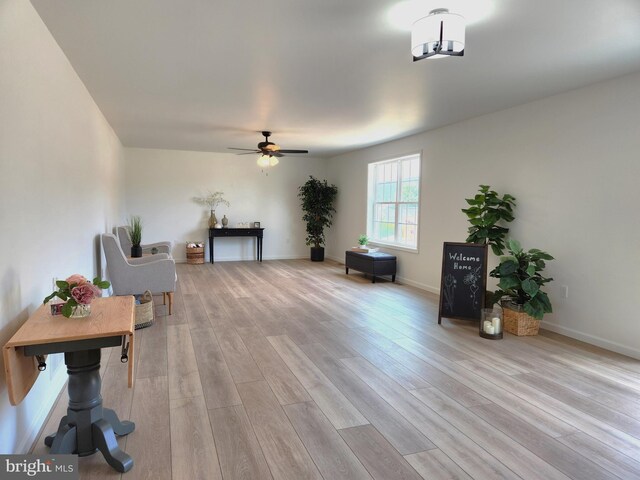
393,200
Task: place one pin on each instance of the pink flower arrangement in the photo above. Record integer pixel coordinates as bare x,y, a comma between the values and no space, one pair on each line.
85,293
77,290
77,279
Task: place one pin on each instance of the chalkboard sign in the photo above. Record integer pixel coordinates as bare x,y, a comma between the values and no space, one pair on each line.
464,280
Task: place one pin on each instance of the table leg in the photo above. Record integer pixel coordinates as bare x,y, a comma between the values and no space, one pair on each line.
260,248
106,442
210,249
88,426
119,427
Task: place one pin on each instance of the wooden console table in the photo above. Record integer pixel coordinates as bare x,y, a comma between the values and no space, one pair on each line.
236,232
87,426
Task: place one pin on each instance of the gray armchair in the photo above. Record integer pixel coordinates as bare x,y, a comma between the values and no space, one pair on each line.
134,276
125,243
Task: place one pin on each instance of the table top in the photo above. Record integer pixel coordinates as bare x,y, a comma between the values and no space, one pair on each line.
236,228
380,255
110,316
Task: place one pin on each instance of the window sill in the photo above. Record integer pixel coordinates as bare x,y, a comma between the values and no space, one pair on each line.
394,246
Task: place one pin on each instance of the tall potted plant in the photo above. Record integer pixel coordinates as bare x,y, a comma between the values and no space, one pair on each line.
135,234
519,290
486,210
317,199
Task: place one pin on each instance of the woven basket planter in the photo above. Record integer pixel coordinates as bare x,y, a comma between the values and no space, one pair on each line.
518,322
195,255
144,311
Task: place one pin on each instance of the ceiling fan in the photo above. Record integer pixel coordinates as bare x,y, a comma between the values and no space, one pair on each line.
268,148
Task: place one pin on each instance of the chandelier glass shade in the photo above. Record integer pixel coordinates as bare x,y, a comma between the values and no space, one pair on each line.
439,34
266,161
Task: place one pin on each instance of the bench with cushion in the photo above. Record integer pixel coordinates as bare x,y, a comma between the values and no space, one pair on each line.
375,264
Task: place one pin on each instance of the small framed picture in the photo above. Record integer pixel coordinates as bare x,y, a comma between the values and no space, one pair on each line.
256,224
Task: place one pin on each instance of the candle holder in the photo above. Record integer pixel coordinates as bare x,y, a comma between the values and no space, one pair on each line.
491,324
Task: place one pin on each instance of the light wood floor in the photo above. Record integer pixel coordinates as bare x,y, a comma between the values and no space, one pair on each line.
293,370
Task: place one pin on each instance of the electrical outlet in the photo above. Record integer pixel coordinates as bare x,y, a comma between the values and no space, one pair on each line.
565,291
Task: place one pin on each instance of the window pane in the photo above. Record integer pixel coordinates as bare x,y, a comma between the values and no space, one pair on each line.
409,192
393,208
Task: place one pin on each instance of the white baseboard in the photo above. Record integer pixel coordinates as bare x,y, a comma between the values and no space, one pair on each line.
399,279
592,339
421,286
247,259
57,383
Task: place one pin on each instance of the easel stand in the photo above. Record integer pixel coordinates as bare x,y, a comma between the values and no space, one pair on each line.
88,427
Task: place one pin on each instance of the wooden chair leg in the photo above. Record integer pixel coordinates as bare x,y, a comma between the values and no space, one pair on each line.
164,298
170,294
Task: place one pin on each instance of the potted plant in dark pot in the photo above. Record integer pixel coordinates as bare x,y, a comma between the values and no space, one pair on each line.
317,199
135,234
519,289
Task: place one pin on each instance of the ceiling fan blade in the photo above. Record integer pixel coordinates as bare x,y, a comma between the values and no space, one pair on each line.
248,153
247,149
276,154
293,151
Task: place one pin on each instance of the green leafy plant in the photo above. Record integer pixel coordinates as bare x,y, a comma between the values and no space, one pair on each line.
520,279
317,198
363,240
135,230
485,211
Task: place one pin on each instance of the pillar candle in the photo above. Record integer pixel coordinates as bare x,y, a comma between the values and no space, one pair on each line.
495,322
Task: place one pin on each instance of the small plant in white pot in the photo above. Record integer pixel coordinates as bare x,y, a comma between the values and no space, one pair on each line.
519,289
363,240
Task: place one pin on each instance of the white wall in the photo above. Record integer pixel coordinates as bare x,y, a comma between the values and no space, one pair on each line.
60,187
571,160
160,185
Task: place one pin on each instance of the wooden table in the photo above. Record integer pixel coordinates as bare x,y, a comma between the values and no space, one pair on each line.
88,426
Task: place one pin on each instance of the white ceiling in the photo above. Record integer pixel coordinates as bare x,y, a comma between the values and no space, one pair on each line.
329,75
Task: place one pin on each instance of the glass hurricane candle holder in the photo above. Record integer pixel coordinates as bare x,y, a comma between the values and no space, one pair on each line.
491,323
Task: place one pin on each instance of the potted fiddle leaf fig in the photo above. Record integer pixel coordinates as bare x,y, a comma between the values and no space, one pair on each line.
519,289
317,199
487,214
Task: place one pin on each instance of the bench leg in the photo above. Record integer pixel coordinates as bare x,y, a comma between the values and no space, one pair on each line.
373,279
347,270
393,277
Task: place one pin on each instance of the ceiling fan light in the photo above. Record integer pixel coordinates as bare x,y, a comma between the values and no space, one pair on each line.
273,161
437,35
264,161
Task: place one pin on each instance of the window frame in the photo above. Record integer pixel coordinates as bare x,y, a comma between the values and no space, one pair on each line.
371,183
